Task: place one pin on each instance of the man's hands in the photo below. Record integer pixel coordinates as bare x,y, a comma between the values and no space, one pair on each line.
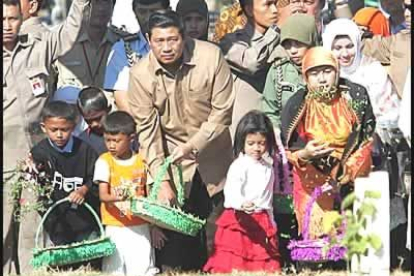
314,149
78,196
166,195
158,238
184,151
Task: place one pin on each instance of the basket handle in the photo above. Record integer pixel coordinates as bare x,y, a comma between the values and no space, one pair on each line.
317,192
40,227
160,175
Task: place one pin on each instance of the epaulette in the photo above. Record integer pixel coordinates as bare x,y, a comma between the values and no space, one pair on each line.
280,61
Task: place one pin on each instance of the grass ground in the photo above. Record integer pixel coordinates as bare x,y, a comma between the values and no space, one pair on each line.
83,272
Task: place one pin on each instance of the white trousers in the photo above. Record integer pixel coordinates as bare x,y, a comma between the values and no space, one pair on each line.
134,255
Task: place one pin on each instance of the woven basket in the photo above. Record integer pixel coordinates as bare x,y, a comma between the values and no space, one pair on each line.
318,250
71,253
165,216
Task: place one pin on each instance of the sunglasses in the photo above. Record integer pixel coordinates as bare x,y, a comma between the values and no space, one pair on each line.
407,6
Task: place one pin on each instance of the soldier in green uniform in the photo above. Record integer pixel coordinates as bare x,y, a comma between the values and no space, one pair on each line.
284,78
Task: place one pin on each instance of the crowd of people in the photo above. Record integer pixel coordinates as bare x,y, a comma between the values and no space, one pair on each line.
289,96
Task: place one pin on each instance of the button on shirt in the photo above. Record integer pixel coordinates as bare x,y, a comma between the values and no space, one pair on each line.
249,180
117,69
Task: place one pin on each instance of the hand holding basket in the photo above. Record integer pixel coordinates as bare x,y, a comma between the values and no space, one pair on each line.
167,217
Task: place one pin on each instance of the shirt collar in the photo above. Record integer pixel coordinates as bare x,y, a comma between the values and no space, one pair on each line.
251,32
108,37
68,148
22,41
142,43
31,21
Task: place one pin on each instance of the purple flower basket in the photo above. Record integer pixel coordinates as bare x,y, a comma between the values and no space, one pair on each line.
318,250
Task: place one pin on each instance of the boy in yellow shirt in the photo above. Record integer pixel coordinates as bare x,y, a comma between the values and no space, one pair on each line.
114,170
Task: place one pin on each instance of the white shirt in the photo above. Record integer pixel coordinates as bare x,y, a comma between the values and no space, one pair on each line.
249,180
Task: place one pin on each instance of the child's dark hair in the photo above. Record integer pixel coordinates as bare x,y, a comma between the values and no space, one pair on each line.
254,122
92,99
119,122
60,109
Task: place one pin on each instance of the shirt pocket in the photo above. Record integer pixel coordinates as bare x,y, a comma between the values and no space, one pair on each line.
199,91
38,77
72,71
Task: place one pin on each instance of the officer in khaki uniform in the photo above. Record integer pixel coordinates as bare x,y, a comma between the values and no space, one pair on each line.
26,89
85,64
248,51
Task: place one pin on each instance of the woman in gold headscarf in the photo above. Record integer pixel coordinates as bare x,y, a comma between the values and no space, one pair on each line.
327,129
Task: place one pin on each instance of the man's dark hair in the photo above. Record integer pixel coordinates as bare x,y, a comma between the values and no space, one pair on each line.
254,122
60,109
321,4
92,99
12,3
165,19
244,3
165,3
119,122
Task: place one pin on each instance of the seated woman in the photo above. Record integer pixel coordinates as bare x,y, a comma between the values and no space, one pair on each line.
327,129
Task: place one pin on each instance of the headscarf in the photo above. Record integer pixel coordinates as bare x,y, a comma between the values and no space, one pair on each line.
319,56
230,20
300,27
373,19
340,27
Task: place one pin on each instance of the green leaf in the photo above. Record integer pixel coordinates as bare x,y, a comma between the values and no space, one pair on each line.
375,242
348,201
372,194
367,209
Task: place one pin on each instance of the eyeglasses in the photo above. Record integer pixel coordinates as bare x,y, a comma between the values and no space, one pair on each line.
407,6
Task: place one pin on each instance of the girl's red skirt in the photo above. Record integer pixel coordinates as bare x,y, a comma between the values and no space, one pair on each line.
244,242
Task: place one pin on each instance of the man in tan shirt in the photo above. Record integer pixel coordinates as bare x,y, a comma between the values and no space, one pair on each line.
26,67
181,96
248,51
85,64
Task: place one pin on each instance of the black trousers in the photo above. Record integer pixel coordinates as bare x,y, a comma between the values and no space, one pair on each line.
182,252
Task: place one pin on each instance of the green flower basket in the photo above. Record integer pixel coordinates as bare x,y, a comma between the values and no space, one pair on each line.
71,253
165,216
